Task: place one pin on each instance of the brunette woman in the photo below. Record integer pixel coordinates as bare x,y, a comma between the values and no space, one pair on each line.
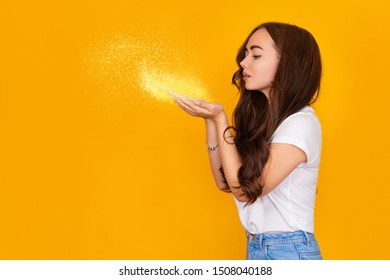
269,158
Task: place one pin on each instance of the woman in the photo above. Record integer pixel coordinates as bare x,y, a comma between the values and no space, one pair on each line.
269,158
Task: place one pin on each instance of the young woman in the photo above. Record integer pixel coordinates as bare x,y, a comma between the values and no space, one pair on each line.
269,158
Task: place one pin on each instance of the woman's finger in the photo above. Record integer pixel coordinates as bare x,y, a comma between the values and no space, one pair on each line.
185,107
194,109
193,106
183,99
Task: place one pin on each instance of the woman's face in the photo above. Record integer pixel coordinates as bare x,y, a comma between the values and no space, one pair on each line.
260,62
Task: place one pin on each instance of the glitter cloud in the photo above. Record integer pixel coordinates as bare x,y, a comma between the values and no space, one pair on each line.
122,63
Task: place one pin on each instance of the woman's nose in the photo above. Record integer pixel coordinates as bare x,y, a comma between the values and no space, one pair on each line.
243,63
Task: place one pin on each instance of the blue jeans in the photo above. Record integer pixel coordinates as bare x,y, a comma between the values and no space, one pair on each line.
297,245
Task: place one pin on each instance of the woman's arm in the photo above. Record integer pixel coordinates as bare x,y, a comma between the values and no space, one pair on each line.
228,153
216,124
282,160
214,157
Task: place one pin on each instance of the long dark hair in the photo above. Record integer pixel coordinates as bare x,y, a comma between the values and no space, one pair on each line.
296,84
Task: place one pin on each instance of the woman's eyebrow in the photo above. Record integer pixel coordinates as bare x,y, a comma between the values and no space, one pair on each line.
254,47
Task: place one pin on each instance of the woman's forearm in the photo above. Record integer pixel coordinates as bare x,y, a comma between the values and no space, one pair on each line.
214,157
229,157
226,154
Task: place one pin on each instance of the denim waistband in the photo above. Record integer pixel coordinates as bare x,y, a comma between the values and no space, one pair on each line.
279,238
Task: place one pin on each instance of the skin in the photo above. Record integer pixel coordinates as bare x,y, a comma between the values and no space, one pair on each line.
260,64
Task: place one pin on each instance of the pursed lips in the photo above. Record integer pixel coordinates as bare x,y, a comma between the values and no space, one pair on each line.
245,75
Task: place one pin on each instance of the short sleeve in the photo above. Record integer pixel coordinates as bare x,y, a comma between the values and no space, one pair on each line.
302,130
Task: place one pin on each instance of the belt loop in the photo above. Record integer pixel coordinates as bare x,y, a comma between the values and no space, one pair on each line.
307,238
261,241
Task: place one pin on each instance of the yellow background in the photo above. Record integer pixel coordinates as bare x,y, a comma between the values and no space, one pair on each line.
90,171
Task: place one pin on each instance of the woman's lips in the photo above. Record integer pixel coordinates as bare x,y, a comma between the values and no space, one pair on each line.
245,76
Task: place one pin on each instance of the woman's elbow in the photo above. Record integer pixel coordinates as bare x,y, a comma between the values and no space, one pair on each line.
242,198
223,187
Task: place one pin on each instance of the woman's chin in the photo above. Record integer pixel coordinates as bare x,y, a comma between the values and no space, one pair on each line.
248,87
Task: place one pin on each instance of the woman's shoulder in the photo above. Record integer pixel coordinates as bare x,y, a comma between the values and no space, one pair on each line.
303,122
305,116
303,130
305,111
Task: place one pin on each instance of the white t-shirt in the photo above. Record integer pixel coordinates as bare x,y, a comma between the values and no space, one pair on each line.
290,206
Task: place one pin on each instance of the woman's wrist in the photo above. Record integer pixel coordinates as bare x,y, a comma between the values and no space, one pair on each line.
221,122
221,118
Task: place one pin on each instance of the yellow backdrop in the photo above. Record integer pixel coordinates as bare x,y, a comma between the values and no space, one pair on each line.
96,164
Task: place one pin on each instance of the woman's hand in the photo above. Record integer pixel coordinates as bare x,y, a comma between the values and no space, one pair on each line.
198,107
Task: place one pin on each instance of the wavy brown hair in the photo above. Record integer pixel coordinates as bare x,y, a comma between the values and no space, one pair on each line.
296,84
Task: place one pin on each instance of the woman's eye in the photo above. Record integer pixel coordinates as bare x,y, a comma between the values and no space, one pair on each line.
256,56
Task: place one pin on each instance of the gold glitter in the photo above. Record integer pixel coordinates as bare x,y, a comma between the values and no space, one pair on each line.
157,80
122,63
